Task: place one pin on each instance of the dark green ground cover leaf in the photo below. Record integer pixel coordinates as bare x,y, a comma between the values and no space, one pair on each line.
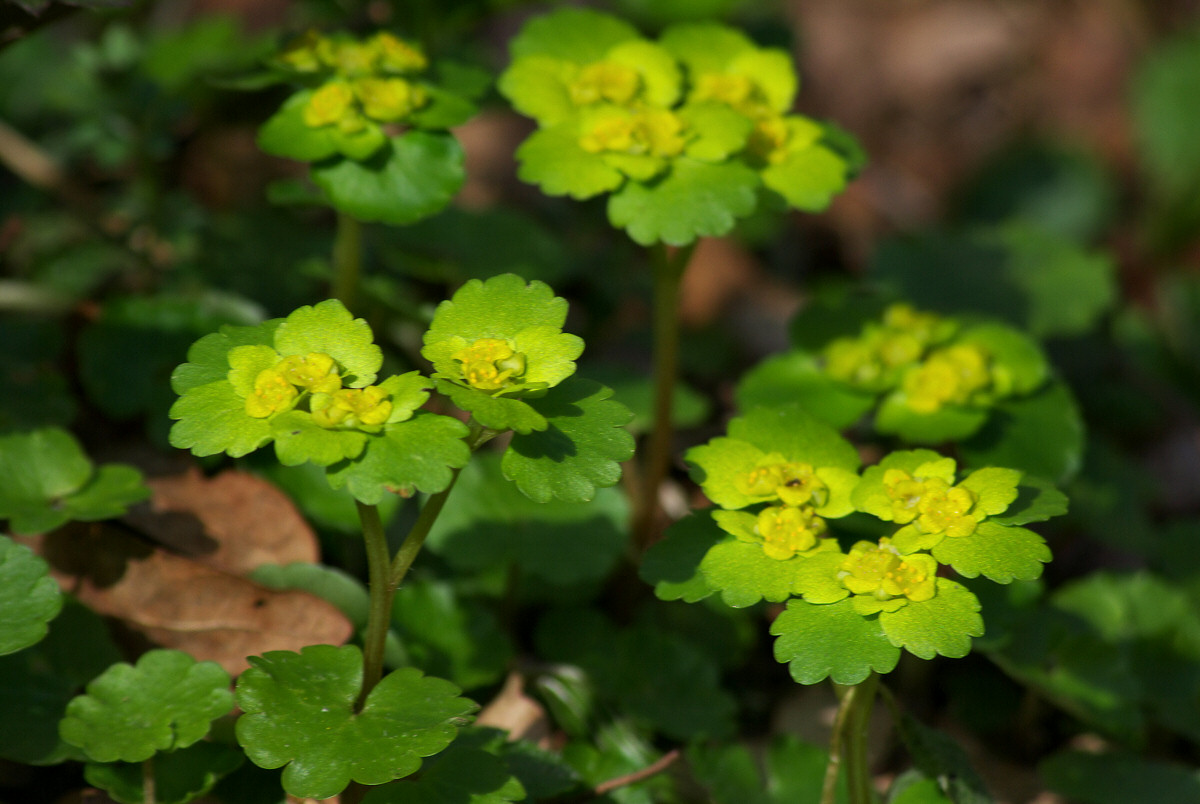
46,480
36,391
796,378
581,449
29,597
791,771
299,712
179,776
1117,777
672,564
411,177
682,697
486,525
164,702
940,757
1042,434
464,773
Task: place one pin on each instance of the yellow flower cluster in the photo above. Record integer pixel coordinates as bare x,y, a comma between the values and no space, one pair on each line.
281,387
792,527
931,504
884,580
490,364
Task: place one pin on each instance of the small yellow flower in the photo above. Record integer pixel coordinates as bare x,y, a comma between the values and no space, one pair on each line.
329,104
948,376
353,406
388,99
396,55
315,372
947,511
793,482
879,571
648,132
605,81
272,394
787,531
737,91
490,364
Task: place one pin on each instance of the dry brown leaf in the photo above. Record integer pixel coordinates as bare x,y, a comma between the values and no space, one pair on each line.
515,712
246,521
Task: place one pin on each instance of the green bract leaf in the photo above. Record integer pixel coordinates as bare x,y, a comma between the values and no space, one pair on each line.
1002,553
498,413
831,641
1042,434
571,34
462,774
950,423
329,328
488,524
709,49
795,378
943,624
167,701
179,776
808,177
1037,500
791,433
553,159
286,134
744,574
673,563
581,448
695,199
412,176
46,480
420,454
299,712
29,597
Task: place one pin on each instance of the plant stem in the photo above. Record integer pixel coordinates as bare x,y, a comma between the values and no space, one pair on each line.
849,742
379,618
347,259
149,794
668,274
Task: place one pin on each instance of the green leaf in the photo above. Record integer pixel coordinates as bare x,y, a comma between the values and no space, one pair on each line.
299,439
580,450
912,787
950,423
1118,777
212,419
331,329
179,776
420,454
794,771
411,177
164,702
553,159
29,597
943,624
46,480
486,524
299,712
1037,500
451,636
498,413
208,358
1042,434
795,378
672,564
744,574
682,698
807,178
1164,117
832,641
571,34
941,757
635,390
286,134
694,199
1002,553
462,774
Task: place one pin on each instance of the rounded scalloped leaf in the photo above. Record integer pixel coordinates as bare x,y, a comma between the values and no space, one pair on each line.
462,774
817,578
411,177
538,86
329,328
299,712
299,439
795,378
165,702
694,199
420,453
46,480
672,564
943,624
1012,350
286,134
832,641
995,487
208,358
1042,434
571,34
553,159
807,178
1037,500
1001,553
797,435
494,412
870,496
708,48
500,307
718,131
580,450
950,423
212,419
744,574
29,597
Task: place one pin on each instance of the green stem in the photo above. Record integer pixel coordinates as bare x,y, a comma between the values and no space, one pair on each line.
848,745
668,275
347,259
379,618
